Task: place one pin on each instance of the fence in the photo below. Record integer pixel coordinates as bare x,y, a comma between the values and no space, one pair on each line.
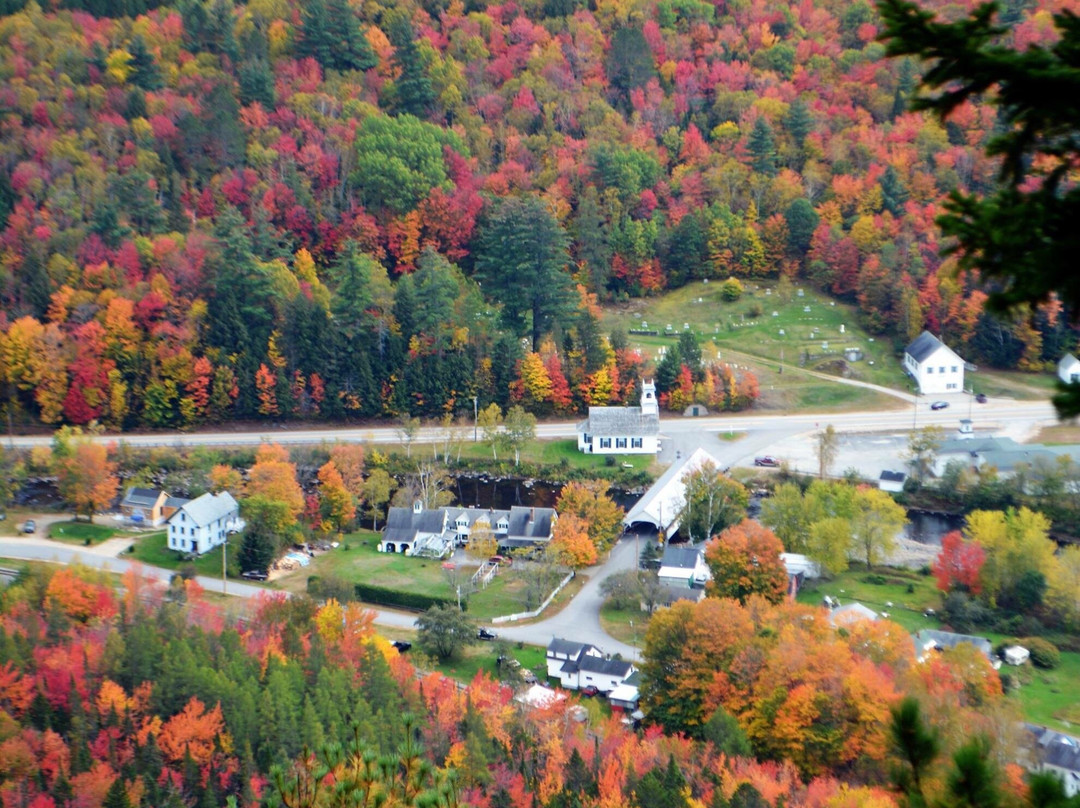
511,618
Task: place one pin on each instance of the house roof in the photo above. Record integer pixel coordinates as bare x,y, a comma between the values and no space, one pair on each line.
566,647
924,345
626,693
977,445
948,639
176,502
671,594
661,505
620,422
605,667
892,476
851,612
402,524
141,497
1063,755
1067,361
530,523
1007,460
681,556
207,508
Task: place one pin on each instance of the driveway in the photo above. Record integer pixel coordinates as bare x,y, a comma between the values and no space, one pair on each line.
579,619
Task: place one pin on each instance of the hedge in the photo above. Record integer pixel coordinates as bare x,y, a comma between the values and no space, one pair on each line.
1044,654
402,600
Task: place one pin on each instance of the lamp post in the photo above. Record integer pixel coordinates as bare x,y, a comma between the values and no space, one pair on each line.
475,415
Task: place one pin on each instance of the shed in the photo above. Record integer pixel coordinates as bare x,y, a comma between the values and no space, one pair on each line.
892,481
1016,655
1068,369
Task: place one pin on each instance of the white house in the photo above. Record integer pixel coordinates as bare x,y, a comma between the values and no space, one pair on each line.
434,532
891,481
683,565
623,430
580,665
934,366
204,523
1068,369
1062,757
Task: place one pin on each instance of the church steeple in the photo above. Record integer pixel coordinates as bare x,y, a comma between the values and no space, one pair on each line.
649,404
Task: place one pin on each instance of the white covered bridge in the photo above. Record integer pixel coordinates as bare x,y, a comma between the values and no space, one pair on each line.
662,505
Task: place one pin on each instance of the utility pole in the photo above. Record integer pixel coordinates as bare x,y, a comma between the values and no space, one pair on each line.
475,415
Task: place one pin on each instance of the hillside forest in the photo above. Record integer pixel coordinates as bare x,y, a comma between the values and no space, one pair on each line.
215,210
155,696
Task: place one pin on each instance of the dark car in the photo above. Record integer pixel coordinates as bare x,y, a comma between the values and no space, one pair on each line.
402,645
254,575
484,634
766,460
981,398
589,691
29,526
939,405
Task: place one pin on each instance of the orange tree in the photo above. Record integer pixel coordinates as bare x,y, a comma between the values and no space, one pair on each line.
745,560
85,476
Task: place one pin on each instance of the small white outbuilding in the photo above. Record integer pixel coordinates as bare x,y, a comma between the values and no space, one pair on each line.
1016,655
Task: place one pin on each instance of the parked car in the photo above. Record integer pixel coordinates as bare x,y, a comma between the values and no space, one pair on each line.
529,678
939,405
766,460
500,559
589,691
402,645
29,526
254,575
485,634
981,398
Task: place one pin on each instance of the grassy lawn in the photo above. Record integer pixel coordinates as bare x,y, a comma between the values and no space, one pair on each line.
483,656
1058,435
1013,384
83,533
733,330
907,607
152,549
563,453
625,625
1050,697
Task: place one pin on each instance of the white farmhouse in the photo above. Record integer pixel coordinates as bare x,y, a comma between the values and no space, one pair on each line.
1068,369
683,565
934,366
623,430
204,523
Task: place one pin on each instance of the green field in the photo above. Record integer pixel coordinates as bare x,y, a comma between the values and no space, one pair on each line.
152,549
362,563
1051,697
730,332
83,533
907,607
562,453
1012,384
625,625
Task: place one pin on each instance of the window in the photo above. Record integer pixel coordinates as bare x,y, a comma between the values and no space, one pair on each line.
955,368
929,370
183,516
620,443
637,443
605,443
941,369
588,439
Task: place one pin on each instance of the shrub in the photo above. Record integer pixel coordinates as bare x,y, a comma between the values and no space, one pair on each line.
876,580
1044,654
731,290
412,601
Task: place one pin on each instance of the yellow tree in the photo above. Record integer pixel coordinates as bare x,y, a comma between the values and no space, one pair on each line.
588,500
336,502
571,543
85,476
273,490
482,541
349,459
533,383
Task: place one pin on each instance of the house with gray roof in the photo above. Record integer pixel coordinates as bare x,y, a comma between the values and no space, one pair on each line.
435,532
144,506
1062,758
204,523
623,430
1068,369
683,565
929,640
934,366
579,665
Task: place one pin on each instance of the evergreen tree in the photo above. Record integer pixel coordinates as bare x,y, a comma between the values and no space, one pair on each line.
798,122
893,192
413,92
116,796
762,147
145,72
629,62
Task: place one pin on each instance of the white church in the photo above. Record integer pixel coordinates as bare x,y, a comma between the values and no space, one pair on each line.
623,430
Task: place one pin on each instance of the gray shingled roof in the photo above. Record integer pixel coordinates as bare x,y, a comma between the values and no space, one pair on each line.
565,647
684,557
621,422
607,667
140,497
207,508
893,476
1062,755
923,345
402,524
530,523
176,502
948,639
